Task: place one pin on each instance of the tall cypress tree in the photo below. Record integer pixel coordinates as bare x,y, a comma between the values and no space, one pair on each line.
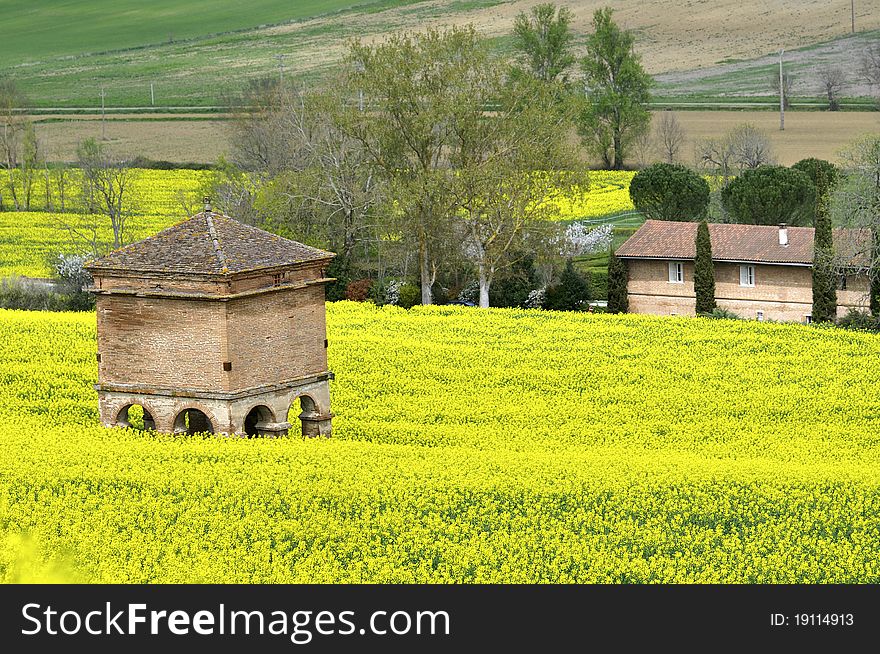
874,276
704,271
824,176
618,278
824,281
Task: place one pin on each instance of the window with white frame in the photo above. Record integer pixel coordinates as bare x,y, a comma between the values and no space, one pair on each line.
676,272
746,275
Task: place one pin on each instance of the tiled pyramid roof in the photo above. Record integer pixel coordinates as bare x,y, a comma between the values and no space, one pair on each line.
208,244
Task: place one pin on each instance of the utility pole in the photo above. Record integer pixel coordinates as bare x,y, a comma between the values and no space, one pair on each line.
360,68
852,6
781,94
152,96
103,128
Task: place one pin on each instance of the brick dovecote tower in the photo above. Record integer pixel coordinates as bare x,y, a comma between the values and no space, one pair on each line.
212,325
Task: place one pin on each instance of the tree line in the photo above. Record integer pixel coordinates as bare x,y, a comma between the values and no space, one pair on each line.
398,166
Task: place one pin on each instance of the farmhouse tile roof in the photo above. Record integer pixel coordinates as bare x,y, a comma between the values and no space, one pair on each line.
208,244
660,239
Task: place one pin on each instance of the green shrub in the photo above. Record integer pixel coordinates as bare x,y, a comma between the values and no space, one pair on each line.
409,296
770,195
18,294
721,314
513,288
599,283
859,321
338,270
572,293
670,192
617,285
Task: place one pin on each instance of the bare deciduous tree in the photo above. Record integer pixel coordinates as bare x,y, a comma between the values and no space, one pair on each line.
743,147
643,147
751,146
315,179
787,83
107,199
832,80
31,162
13,126
670,135
869,64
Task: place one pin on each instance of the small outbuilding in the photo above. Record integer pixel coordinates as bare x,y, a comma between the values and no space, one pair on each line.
214,326
762,272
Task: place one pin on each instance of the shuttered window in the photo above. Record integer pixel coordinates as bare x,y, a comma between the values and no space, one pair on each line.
676,272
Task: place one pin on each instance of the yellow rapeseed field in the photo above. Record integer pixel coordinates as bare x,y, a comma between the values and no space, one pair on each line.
469,446
30,239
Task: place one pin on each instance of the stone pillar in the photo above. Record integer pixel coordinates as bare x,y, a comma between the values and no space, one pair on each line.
315,423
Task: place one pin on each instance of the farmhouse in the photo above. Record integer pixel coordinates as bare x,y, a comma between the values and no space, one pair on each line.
761,272
212,325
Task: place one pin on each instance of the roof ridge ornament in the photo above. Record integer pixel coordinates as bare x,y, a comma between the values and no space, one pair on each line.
221,256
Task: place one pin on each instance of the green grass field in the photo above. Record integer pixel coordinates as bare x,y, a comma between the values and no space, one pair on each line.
197,53
35,30
469,446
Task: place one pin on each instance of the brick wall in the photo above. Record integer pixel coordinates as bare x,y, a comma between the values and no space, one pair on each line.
780,292
179,342
276,336
157,341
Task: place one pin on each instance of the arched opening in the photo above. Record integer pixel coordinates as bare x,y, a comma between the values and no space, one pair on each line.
135,416
257,420
192,421
305,409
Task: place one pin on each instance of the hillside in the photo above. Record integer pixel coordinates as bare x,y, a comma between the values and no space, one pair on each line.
128,51
753,78
36,30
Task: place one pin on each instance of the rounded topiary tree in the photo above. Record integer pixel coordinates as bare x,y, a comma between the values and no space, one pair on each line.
670,192
770,195
823,174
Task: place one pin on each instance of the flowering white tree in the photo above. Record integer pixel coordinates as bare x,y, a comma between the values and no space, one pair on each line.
580,239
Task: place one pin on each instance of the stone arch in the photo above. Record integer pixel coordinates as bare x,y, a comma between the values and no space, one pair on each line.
258,419
315,421
194,419
122,418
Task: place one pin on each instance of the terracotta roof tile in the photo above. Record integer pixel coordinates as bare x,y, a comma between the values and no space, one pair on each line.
209,243
660,239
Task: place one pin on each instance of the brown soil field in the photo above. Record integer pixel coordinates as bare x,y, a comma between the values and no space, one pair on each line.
807,134
180,141
818,134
